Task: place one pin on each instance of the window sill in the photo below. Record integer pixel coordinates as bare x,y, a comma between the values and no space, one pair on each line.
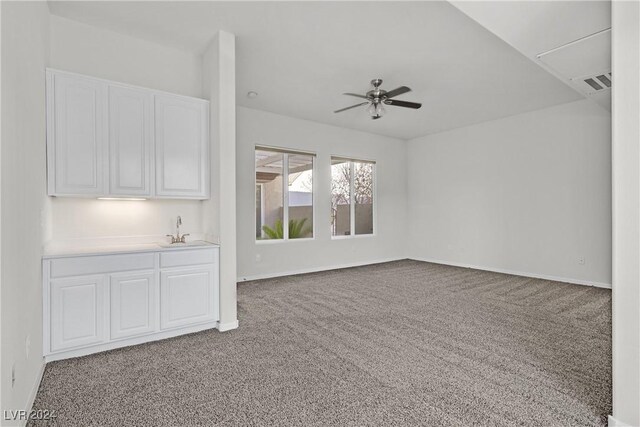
276,241
356,236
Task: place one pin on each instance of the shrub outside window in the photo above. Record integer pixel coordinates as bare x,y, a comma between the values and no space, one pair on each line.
283,201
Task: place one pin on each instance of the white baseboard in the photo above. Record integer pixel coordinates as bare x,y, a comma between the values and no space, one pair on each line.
615,423
34,390
127,342
224,327
518,273
314,269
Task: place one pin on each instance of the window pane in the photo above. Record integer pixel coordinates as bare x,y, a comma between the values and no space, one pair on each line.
269,178
258,211
340,198
363,189
300,196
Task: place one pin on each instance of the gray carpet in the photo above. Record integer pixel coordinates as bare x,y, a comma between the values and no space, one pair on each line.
397,344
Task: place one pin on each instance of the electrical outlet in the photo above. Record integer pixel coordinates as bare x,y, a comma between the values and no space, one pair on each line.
581,260
13,375
258,257
27,345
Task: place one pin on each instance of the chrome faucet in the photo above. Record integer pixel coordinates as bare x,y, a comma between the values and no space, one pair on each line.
178,238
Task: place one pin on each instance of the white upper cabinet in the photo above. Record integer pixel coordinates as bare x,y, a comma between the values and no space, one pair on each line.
130,130
109,139
76,119
181,130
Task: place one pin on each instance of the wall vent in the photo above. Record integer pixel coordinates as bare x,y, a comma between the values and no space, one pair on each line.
585,63
595,83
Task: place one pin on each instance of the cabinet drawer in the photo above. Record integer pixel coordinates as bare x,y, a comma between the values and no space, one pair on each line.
188,257
98,264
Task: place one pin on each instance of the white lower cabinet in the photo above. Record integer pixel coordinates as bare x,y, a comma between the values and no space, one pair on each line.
133,304
186,296
77,312
120,305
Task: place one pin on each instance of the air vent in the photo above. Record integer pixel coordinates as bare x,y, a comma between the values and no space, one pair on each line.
606,80
595,83
603,81
585,63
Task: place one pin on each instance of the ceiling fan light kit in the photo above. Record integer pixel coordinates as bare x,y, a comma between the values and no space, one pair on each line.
376,110
376,98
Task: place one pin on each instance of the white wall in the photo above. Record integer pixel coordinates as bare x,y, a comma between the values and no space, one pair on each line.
74,218
25,27
101,53
262,128
97,52
626,211
529,193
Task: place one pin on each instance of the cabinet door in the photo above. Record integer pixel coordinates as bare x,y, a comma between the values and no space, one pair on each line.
77,312
187,296
76,129
133,304
129,141
181,142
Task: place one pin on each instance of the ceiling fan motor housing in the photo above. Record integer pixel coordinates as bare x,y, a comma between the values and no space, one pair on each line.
376,94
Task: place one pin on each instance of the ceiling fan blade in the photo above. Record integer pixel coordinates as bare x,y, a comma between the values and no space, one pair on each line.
397,91
398,103
353,106
356,95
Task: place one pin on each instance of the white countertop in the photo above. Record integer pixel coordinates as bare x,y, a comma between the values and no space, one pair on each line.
71,251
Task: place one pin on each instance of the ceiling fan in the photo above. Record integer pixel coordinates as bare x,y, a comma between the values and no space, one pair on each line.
376,98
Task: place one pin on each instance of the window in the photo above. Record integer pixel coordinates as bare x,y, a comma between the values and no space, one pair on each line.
351,197
283,201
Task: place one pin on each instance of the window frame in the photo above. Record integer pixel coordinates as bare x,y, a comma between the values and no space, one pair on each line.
261,185
352,197
285,192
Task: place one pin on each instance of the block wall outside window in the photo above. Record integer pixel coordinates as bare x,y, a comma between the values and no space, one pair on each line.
284,194
352,197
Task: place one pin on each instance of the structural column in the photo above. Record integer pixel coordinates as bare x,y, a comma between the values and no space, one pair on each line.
626,212
219,217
